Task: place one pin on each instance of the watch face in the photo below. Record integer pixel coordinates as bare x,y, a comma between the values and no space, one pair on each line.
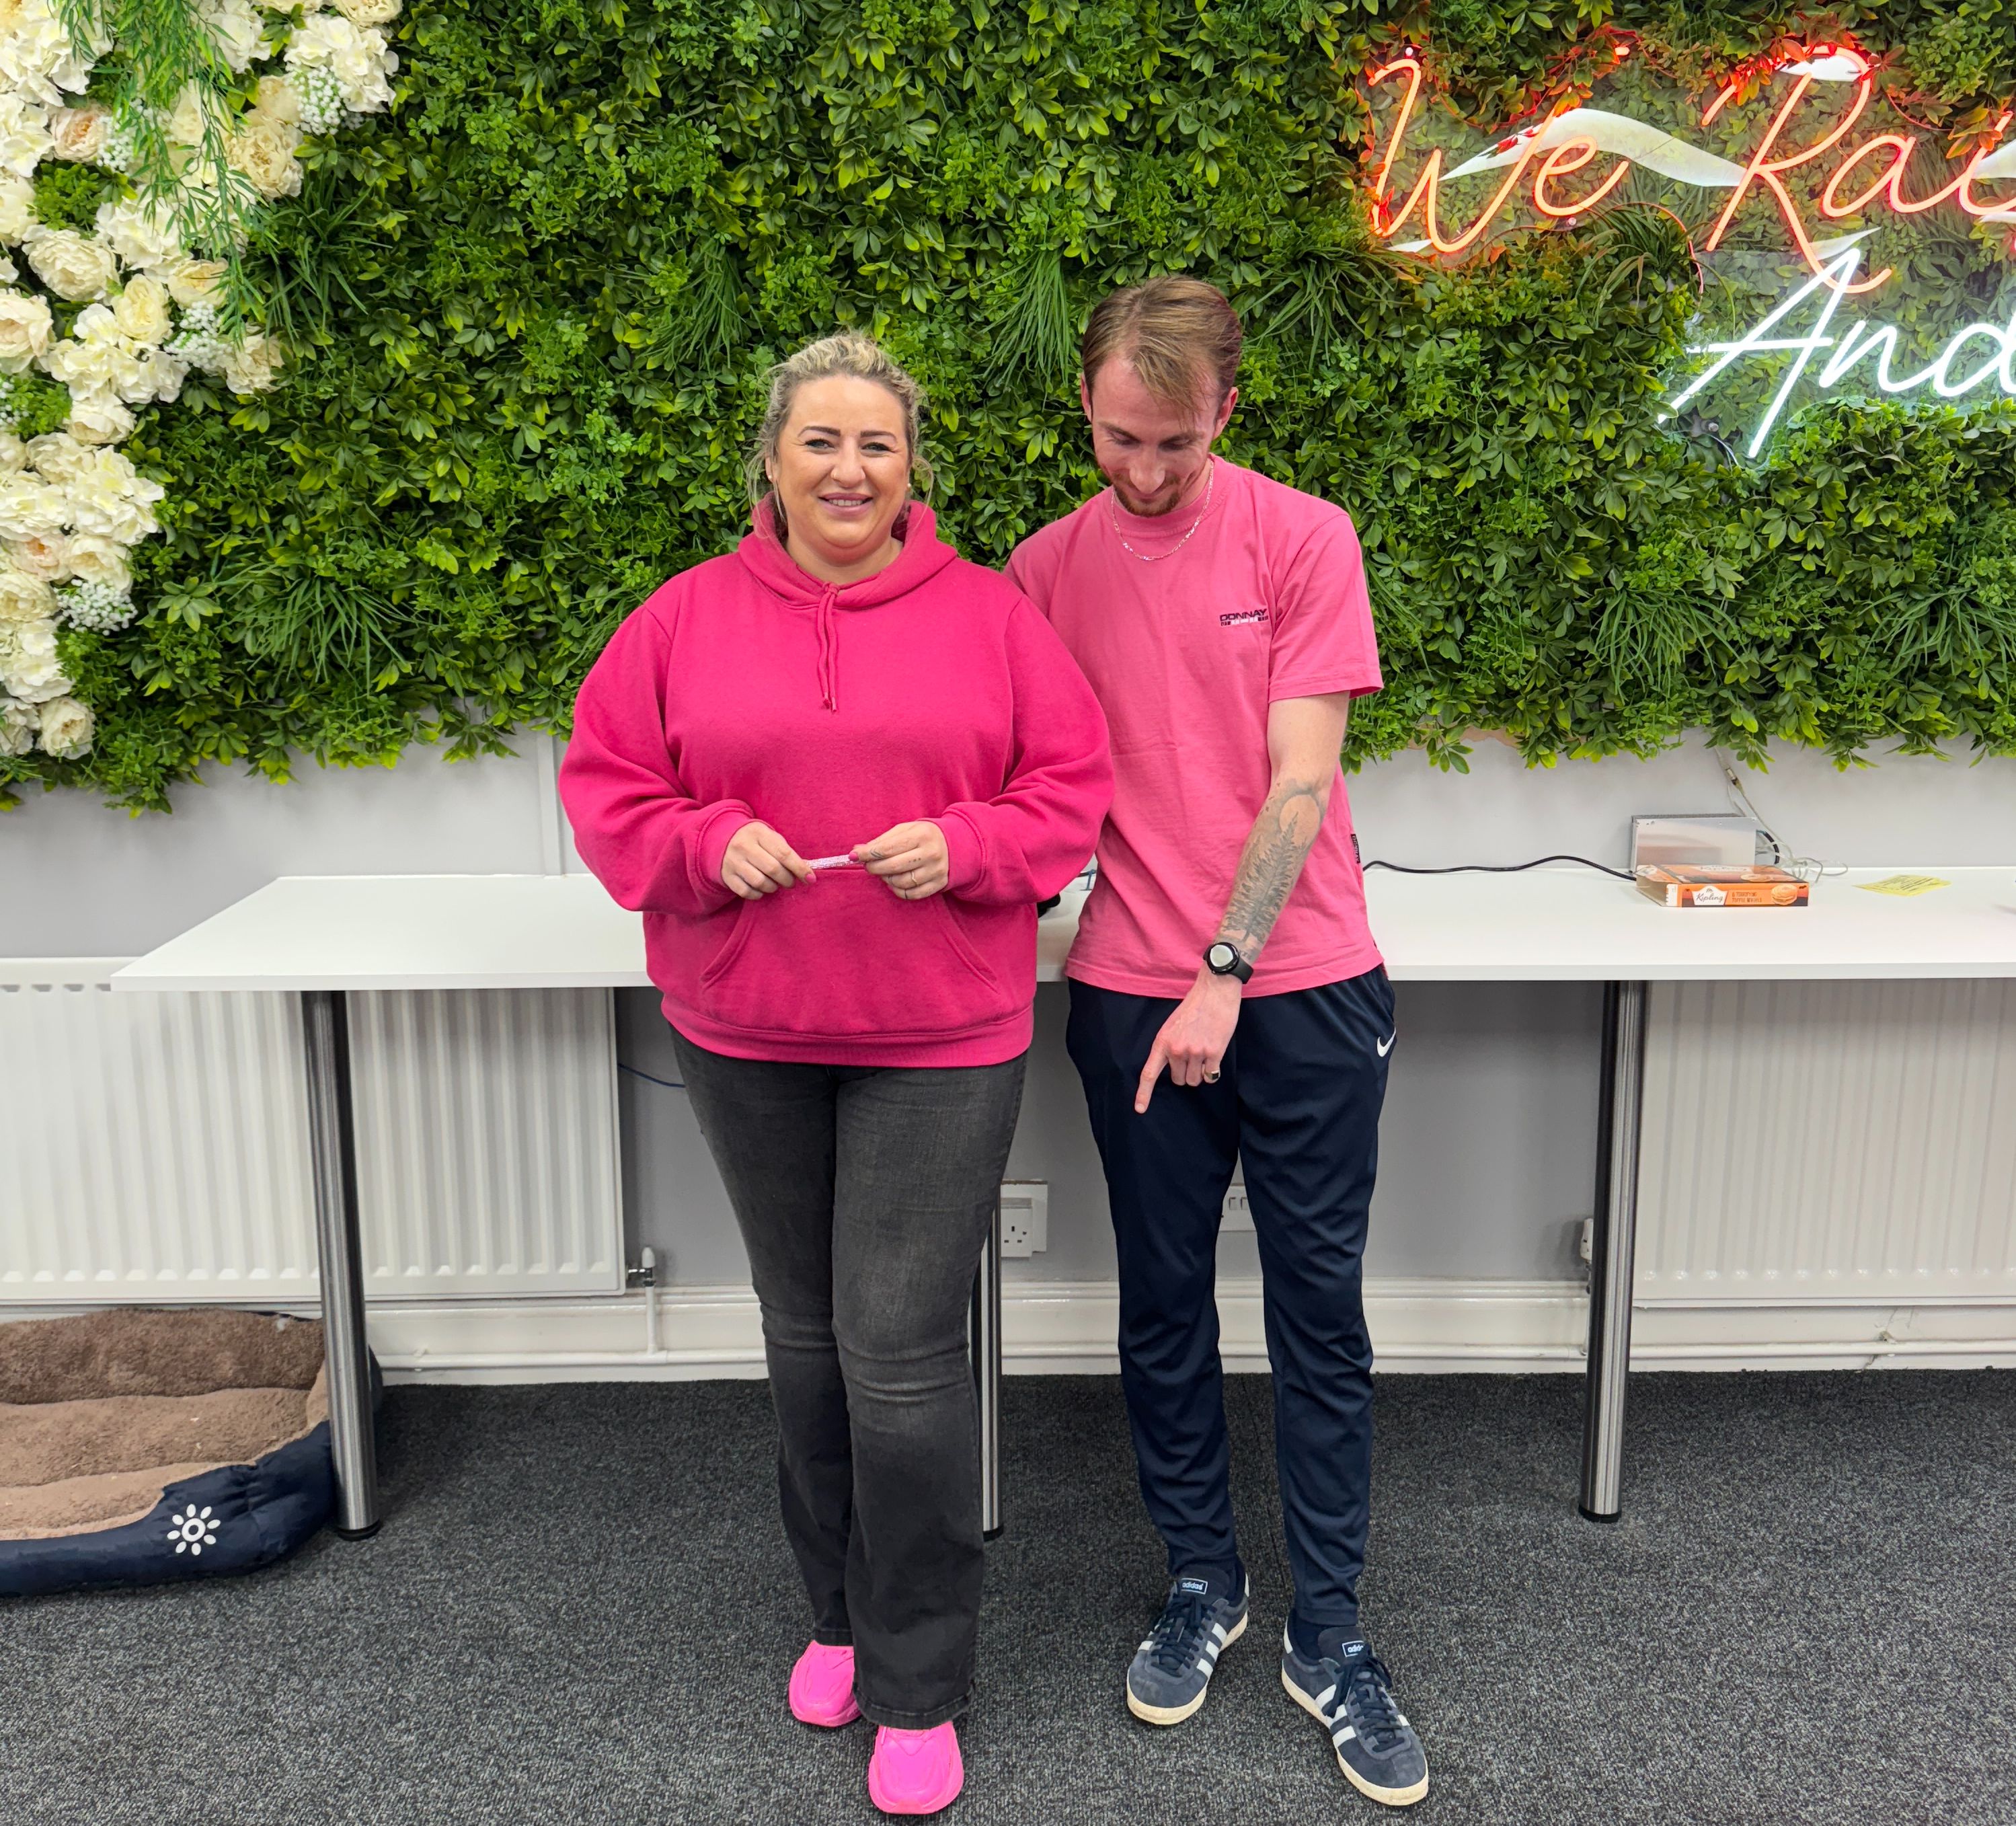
1221,956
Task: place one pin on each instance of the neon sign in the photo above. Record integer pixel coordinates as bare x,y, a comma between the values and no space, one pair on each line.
1876,347
1788,179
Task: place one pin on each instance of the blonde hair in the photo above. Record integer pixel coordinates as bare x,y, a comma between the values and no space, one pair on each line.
1178,334
857,356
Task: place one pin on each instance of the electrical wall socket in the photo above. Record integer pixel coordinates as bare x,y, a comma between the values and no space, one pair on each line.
1238,1212
1025,1218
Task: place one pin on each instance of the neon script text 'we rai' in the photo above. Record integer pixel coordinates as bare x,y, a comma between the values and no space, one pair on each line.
1546,165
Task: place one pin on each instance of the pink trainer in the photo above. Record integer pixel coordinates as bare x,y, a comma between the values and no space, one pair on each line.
822,1686
916,1771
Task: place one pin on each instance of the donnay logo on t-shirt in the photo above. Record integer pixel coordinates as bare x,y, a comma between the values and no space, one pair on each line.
1242,617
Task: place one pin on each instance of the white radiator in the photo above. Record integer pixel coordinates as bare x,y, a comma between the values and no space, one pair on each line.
153,1147
1850,1142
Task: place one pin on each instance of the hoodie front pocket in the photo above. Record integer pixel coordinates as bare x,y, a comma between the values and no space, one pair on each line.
843,956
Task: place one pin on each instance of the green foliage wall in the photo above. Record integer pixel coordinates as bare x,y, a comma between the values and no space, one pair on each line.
532,311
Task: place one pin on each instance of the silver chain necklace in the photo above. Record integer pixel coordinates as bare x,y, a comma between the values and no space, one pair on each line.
1112,513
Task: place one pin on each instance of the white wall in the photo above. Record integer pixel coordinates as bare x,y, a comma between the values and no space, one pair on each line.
1489,1131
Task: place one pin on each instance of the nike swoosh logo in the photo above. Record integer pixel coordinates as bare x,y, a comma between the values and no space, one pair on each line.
1386,1045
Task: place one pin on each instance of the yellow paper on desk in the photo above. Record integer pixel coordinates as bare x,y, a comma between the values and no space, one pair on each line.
1903,885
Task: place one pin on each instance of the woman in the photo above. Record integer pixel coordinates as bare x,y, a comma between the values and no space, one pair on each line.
852,1029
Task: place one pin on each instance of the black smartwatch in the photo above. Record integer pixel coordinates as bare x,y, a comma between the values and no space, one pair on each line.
1222,960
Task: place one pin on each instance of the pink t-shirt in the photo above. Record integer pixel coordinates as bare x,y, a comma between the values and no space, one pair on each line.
1266,599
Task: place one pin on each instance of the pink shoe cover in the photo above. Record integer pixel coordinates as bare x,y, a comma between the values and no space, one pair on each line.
822,1686
916,1771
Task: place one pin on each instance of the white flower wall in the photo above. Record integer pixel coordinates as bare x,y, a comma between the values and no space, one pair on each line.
72,505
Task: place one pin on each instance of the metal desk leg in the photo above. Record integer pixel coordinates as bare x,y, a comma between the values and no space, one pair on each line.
332,1146
1616,1232
984,1337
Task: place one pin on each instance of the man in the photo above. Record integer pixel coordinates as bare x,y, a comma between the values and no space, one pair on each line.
1223,620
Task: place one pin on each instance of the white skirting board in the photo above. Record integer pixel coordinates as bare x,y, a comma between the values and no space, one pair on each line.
1062,1327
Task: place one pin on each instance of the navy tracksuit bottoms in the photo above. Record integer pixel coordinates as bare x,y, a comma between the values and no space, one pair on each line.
1298,1100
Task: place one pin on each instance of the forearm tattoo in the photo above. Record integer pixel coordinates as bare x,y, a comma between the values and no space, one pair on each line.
1271,863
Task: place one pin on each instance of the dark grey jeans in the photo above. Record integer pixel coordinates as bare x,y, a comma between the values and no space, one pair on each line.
864,1194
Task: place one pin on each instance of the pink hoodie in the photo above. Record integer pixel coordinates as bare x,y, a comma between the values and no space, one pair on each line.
745,688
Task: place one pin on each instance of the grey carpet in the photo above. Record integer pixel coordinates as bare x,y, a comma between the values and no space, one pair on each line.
581,1610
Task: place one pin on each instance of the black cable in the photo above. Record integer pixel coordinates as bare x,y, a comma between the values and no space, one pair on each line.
1501,868
669,1083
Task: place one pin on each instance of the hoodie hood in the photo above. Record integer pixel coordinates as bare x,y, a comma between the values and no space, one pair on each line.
925,555
767,559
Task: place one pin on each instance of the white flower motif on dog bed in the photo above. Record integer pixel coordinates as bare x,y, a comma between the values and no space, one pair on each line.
193,1530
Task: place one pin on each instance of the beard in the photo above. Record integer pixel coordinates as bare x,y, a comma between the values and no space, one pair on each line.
1167,502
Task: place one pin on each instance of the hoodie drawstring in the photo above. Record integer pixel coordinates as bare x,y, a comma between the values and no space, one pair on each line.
829,654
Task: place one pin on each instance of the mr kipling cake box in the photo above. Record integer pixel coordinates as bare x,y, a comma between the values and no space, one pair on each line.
1701,884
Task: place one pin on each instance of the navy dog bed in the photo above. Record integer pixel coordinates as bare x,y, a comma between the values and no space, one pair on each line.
140,1446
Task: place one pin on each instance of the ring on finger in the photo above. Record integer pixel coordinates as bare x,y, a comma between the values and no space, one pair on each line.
1211,1078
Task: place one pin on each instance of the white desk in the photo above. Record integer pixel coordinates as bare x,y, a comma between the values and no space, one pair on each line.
325,936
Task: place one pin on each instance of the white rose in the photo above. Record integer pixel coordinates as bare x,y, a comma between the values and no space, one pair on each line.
95,559
37,57
184,125
78,135
142,310
58,457
368,12
139,234
253,364
73,265
108,496
34,640
18,721
13,453
24,133
67,728
23,598
29,667
355,56
17,206
99,418
238,30
190,282
263,149
161,374
100,363
46,557
276,97
30,507
26,328
90,364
